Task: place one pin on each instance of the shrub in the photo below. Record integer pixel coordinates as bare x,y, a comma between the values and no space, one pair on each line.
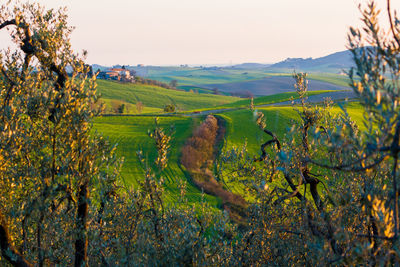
199,148
139,107
169,108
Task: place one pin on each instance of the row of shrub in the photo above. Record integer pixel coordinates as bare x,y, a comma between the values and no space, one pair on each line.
198,158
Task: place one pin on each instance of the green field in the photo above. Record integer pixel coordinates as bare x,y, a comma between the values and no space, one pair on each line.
130,135
330,78
323,77
200,90
241,128
241,125
156,98
259,101
199,76
130,132
272,99
190,96
195,89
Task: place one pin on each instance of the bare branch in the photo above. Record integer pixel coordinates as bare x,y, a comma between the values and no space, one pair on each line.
391,23
8,23
349,167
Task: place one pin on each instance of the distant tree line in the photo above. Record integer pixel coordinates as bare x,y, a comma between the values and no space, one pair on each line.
243,94
156,83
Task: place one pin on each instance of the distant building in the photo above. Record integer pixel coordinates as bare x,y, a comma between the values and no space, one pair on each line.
121,72
116,74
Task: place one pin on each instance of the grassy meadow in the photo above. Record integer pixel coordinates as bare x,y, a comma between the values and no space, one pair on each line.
154,98
130,135
241,128
190,77
271,99
241,125
130,132
200,76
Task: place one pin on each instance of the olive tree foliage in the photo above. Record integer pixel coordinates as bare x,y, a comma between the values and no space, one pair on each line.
52,168
328,191
61,202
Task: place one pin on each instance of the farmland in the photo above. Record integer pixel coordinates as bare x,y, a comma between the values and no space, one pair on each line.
241,129
191,76
130,135
272,85
155,98
194,96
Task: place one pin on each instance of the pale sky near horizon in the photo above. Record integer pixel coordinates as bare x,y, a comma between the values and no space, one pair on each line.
172,32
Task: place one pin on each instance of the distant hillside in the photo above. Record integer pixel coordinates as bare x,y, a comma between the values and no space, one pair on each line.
203,79
272,85
251,66
335,62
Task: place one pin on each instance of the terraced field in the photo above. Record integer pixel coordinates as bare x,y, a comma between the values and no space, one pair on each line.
130,134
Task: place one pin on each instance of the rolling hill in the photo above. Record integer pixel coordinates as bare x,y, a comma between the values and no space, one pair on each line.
154,98
130,135
272,85
259,79
335,63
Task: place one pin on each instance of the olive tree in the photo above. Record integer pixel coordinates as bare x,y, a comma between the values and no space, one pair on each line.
327,192
61,199
54,170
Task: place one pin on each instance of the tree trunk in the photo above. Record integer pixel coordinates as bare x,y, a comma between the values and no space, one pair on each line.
81,241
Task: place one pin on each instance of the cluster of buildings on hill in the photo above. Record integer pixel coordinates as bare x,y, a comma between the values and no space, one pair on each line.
117,74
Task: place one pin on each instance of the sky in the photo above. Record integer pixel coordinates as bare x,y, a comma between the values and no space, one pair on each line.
174,32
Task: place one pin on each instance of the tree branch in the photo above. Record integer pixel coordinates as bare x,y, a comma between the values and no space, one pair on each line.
349,167
7,250
8,23
391,23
